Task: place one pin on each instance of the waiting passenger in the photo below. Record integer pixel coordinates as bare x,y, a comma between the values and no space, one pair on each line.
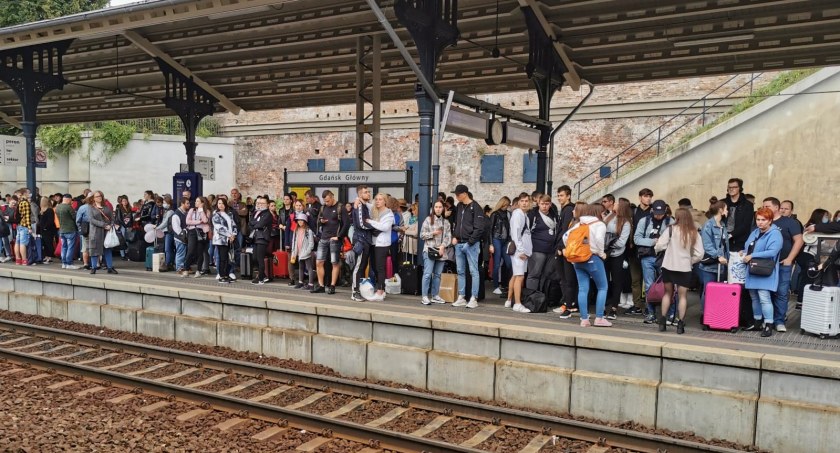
715,248
303,244
520,237
384,220
618,236
765,244
683,248
101,221
469,231
593,268
437,235
647,233
499,231
224,235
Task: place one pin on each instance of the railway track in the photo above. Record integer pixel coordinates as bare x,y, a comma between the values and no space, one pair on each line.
383,418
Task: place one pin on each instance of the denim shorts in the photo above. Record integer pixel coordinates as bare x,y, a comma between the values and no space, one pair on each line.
22,236
326,246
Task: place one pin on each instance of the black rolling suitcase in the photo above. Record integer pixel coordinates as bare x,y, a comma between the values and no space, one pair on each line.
246,266
410,274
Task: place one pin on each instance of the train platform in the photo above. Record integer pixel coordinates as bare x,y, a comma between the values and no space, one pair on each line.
778,393
491,310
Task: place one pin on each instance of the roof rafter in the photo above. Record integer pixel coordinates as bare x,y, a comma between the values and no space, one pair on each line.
148,47
572,77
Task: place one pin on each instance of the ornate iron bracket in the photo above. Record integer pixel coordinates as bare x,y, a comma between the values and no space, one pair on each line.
32,72
433,24
189,101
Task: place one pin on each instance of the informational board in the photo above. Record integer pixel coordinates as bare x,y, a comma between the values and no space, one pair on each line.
204,165
321,178
12,151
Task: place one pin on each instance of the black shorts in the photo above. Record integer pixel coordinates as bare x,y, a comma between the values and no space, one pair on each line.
678,278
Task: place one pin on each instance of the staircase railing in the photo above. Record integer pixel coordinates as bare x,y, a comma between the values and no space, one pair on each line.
612,167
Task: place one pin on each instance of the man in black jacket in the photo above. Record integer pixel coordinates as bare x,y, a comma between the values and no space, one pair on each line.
469,229
739,221
260,226
331,219
568,279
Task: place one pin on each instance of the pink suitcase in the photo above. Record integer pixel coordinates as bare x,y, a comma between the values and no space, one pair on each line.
723,302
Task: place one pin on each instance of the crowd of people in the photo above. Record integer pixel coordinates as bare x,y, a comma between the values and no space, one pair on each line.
574,253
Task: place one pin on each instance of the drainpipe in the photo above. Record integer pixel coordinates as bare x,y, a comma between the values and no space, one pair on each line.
554,132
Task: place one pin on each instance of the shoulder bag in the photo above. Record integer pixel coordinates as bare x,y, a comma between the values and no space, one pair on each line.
760,267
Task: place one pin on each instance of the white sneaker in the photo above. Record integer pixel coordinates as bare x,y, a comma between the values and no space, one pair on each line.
438,300
461,302
473,303
218,276
5,259
379,297
232,276
73,267
425,300
63,266
197,274
521,308
508,304
497,291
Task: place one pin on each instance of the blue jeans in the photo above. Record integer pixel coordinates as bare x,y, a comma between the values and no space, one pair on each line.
780,297
6,247
648,276
594,268
109,262
499,254
68,248
467,255
762,305
431,274
180,255
169,248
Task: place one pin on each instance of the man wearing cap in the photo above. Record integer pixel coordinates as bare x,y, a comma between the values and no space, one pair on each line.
648,230
68,231
469,229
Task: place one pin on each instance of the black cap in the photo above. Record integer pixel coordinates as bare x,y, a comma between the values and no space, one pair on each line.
658,207
460,188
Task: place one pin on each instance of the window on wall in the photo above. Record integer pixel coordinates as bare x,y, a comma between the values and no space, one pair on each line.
316,165
348,164
529,167
492,168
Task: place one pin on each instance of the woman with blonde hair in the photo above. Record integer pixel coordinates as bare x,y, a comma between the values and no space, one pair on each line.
382,220
683,248
499,232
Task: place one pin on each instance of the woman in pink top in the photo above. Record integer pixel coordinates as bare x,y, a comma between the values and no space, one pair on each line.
198,234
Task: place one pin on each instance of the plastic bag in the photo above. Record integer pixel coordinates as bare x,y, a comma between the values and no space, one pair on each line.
393,285
366,289
111,239
737,269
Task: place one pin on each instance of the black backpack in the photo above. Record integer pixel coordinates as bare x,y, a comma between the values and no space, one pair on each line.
534,301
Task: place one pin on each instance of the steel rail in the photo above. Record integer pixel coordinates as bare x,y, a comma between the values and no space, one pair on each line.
373,437
574,429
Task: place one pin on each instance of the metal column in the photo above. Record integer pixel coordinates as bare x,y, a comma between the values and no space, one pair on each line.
189,101
368,96
32,72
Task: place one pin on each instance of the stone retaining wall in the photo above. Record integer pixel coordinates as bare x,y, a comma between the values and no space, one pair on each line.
779,403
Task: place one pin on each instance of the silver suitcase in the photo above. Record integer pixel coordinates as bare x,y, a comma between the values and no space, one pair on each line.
821,311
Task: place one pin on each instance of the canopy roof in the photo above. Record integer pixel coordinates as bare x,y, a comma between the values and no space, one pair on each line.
269,54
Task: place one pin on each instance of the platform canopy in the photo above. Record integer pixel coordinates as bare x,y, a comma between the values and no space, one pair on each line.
268,54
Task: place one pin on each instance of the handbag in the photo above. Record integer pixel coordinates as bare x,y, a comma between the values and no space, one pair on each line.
708,259
200,234
762,267
656,291
84,228
433,253
111,239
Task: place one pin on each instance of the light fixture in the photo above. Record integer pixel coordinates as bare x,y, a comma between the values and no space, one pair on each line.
521,136
714,40
295,83
47,106
239,12
465,122
119,99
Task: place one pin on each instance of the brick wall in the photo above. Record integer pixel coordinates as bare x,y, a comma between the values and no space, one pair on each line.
580,148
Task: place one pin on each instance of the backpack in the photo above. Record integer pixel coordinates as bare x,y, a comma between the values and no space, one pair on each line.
577,245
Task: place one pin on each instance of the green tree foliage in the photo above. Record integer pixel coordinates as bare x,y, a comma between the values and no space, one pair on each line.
13,12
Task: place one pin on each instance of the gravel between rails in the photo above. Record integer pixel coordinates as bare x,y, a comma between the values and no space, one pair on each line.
37,419
457,431
328,403
259,389
410,421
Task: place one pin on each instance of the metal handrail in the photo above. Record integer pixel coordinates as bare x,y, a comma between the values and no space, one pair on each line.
708,102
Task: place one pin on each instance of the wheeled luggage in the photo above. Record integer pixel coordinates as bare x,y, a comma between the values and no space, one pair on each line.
410,274
246,268
723,304
150,252
135,251
820,311
280,264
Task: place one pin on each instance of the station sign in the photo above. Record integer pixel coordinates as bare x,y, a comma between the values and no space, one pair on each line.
12,151
204,165
346,177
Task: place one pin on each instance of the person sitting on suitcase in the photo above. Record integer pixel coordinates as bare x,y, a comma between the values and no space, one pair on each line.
331,219
260,227
765,242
